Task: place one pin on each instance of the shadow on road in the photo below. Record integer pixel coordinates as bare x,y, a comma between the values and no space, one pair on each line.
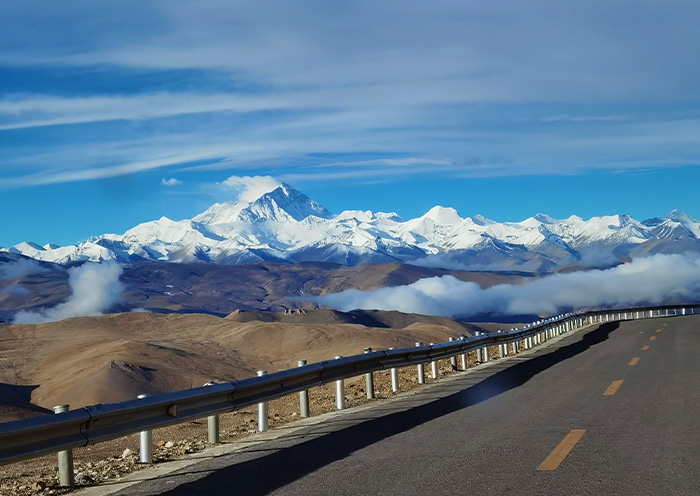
263,474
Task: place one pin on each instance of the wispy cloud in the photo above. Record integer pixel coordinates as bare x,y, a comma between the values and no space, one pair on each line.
170,182
461,87
21,111
585,118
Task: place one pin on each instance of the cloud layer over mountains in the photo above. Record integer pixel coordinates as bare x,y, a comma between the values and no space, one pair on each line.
650,280
95,288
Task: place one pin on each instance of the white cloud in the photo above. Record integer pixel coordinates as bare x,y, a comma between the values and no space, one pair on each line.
20,268
650,280
585,118
249,188
170,182
95,288
21,110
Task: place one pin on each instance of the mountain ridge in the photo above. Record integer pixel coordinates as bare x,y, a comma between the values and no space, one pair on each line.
285,225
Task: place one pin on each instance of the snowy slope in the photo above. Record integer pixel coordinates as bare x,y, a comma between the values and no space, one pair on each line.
284,224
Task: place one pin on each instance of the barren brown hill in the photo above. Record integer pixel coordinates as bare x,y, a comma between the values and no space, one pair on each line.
115,357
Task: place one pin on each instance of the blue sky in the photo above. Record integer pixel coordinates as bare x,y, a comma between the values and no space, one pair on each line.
503,108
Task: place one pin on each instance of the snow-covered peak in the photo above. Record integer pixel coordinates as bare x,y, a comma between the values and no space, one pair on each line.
25,248
545,219
220,213
282,204
676,225
480,220
357,215
443,215
680,217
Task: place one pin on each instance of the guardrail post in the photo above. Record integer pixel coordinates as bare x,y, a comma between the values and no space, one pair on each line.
394,378
421,369
339,392
262,409
453,359
369,380
66,477
478,352
145,441
501,348
433,367
303,397
213,425
465,363
484,354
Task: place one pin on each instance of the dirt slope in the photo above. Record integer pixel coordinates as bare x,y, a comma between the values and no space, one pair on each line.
115,357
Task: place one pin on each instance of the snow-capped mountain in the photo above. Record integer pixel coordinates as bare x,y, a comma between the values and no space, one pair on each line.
286,225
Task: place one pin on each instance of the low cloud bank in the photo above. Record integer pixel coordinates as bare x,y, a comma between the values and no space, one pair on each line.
94,289
20,268
645,281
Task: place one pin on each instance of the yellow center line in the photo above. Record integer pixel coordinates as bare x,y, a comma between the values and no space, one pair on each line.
658,330
645,347
665,325
653,338
562,450
634,361
612,388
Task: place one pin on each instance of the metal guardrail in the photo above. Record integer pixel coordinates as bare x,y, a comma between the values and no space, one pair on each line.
28,438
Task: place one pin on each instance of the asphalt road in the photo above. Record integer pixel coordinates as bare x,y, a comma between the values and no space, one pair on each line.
555,421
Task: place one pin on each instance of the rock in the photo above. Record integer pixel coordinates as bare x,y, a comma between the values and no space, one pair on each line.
169,444
40,486
127,453
160,443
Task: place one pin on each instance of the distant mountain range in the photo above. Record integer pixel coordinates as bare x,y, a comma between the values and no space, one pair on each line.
285,225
